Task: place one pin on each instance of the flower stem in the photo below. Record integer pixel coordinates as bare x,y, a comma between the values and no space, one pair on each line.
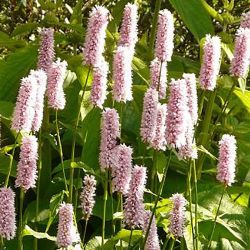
105,197
215,220
153,173
172,243
157,199
130,238
84,232
74,139
20,234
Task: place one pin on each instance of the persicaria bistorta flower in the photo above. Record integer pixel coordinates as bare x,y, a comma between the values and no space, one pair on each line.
27,165
158,77
95,36
122,74
24,110
46,51
227,160
210,62
164,44
176,121
121,168
66,231
110,132
99,85
55,93
7,213
128,31
41,81
240,62
159,141
149,115
133,206
177,215
88,196
152,242
245,20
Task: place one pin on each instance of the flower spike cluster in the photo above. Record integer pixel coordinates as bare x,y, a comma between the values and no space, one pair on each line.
245,20
227,160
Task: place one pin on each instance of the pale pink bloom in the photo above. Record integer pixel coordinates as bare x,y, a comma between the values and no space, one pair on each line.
164,44
41,81
46,51
159,142
192,96
128,31
240,62
55,93
177,215
149,115
27,165
152,242
88,196
7,213
176,121
121,168
245,20
133,206
110,132
24,110
99,85
66,231
227,160
210,62
122,75
158,77
95,36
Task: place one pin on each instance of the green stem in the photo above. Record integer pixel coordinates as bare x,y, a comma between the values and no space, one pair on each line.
171,245
165,243
20,234
201,102
105,197
154,171
11,161
84,232
205,129
121,203
154,27
130,239
74,139
215,220
112,203
196,207
2,243
157,199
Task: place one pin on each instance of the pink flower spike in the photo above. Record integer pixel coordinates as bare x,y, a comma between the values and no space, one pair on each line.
240,62
66,231
227,160
121,168
7,213
99,85
122,74
27,165
192,96
164,44
177,216
245,20
95,36
110,131
158,82
159,142
176,121
133,206
24,111
210,62
88,196
152,242
128,31
46,51
41,79
55,93
149,115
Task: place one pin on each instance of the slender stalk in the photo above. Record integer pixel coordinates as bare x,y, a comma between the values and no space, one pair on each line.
215,220
130,239
112,202
171,245
154,171
157,199
196,207
165,243
20,234
2,243
121,203
11,161
105,197
74,139
84,232
202,97
61,152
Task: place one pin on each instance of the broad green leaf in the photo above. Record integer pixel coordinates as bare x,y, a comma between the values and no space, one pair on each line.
6,41
4,165
28,231
244,97
6,109
24,28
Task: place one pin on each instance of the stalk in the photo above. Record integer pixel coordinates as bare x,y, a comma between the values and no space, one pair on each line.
84,232
196,207
105,196
20,234
154,171
171,246
130,239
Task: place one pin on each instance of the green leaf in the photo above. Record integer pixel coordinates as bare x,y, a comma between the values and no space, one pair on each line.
194,16
76,17
25,28
4,165
28,231
6,109
6,41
